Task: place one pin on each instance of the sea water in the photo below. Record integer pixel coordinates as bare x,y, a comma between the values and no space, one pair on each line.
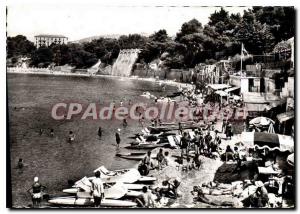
53,159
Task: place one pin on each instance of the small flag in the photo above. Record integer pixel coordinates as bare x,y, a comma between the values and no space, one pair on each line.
244,51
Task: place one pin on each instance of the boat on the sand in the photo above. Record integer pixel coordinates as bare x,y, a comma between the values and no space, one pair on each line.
132,156
74,201
123,176
127,186
83,190
171,128
147,146
133,193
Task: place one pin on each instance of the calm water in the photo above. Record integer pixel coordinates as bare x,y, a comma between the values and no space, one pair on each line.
52,159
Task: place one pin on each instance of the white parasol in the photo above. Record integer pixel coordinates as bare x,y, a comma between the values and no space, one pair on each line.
261,121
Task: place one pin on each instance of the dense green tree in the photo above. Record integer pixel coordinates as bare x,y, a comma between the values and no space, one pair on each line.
281,21
132,41
155,46
259,28
257,37
19,46
159,36
219,16
42,57
61,54
81,58
193,26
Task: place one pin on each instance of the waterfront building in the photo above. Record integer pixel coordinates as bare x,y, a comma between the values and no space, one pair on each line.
47,40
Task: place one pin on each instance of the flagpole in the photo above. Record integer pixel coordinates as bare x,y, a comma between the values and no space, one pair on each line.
242,58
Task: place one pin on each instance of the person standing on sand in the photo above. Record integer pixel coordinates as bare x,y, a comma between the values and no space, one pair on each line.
184,144
160,157
97,189
237,158
207,140
196,141
180,128
142,120
118,139
228,131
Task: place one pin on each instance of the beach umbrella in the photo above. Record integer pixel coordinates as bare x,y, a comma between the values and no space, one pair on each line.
271,128
290,159
239,144
235,97
261,121
270,141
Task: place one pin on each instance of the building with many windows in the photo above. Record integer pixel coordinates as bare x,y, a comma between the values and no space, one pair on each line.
47,40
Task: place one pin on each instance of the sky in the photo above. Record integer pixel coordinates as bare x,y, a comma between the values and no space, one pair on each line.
81,19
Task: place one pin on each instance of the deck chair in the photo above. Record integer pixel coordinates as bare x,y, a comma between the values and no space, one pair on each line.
192,134
144,132
178,139
171,141
147,130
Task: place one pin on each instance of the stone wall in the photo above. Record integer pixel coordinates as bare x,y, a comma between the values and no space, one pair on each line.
173,74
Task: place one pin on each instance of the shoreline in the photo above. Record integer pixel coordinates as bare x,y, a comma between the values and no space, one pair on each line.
48,72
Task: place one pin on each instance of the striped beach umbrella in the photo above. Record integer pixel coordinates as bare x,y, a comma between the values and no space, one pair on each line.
270,141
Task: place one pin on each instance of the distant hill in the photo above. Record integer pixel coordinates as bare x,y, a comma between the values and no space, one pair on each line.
112,36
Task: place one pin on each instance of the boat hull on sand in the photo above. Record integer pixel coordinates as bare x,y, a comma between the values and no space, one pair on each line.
170,128
128,176
84,187
119,176
132,185
133,193
146,146
132,156
135,158
73,201
127,186
147,179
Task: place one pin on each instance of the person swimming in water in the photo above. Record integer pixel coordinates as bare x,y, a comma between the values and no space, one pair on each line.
20,163
52,132
71,137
